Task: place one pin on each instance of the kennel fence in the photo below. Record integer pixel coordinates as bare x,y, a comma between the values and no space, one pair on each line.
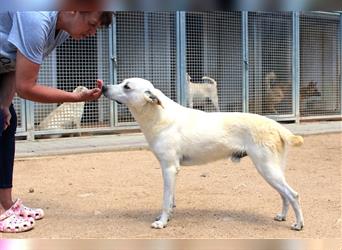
261,61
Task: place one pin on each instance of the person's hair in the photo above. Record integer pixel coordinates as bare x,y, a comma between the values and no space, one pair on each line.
106,18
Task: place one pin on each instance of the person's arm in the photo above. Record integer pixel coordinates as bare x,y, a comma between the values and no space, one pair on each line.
27,87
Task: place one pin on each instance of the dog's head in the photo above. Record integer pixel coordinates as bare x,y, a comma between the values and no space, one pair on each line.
309,90
133,92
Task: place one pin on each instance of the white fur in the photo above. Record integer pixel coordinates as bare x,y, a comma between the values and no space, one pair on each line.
202,91
66,116
182,136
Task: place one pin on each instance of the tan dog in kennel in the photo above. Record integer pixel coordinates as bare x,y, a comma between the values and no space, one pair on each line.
66,116
202,91
274,94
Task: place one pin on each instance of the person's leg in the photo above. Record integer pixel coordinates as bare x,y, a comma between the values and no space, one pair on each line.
11,220
7,151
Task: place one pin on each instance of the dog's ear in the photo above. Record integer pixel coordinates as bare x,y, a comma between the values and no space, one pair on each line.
152,98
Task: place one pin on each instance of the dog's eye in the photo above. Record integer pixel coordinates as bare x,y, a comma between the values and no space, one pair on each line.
126,86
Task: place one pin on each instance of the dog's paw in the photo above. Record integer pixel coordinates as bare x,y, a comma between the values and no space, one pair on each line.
297,227
280,217
235,159
158,224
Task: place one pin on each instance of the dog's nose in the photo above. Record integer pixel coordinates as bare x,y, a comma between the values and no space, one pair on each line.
104,89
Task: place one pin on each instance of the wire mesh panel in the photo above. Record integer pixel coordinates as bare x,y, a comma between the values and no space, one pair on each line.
320,75
73,64
146,48
214,50
270,63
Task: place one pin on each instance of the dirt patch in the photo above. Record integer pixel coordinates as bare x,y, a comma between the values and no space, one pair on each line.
118,195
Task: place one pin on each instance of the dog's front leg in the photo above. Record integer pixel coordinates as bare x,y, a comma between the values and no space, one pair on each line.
169,177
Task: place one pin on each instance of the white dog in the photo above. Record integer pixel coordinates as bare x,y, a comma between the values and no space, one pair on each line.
182,136
66,116
202,91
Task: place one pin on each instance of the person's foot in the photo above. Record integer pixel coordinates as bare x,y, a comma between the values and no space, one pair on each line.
35,213
12,222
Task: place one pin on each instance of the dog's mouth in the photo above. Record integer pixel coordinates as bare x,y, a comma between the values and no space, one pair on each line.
118,102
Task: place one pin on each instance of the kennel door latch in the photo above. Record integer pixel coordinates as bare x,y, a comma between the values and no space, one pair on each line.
115,61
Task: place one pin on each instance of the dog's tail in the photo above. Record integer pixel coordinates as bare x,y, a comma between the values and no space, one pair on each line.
210,79
289,137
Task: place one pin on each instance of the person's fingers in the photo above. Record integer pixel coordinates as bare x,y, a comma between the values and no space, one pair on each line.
99,83
7,120
95,91
94,94
7,123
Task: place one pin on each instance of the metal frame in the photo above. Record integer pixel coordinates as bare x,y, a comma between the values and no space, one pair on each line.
245,63
27,107
181,58
295,66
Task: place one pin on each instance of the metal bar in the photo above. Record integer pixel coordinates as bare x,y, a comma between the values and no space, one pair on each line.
340,61
245,63
326,13
29,113
100,103
113,71
321,117
181,58
295,66
23,116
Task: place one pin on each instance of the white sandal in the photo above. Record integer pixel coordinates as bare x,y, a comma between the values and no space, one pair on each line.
35,213
11,222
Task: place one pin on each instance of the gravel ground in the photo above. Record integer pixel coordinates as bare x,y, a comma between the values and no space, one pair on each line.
118,195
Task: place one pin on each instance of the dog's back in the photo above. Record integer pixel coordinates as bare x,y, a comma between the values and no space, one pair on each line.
202,91
66,116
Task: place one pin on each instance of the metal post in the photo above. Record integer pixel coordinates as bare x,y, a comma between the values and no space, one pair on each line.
295,66
29,112
340,61
245,63
113,71
181,58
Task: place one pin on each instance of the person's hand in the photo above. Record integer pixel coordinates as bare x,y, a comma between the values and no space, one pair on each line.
91,94
7,117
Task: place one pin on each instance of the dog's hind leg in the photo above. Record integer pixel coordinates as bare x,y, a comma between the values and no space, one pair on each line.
268,166
191,102
169,178
282,216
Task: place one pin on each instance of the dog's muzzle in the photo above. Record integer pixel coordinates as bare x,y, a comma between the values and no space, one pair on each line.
105,90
